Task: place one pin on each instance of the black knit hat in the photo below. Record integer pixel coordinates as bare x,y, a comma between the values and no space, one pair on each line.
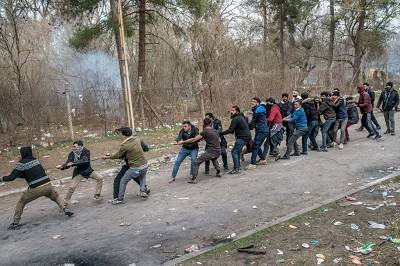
389,83
336,93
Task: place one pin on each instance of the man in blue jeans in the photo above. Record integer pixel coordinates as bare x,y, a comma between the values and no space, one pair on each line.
300,128
188,149
259,124
242,133
328,112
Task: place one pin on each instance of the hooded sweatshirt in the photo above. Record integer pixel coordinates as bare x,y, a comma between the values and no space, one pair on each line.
29,168
259,120
364,102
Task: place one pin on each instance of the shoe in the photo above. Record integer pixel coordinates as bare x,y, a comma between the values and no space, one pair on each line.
278,157
387,132
234,171
242,157
148,191
68,211
314,149
303,153
360,129
378,127
206,172
309,145
111,200
218,174
285,157
14,226
332,144
340,146
172,179
193,181
143,194
262,162
370,135
97,197
116,201
250,167
392,133
295,154
323,149
378,136
226,169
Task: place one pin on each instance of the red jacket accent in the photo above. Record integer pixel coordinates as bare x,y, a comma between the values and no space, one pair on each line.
275,116
364,102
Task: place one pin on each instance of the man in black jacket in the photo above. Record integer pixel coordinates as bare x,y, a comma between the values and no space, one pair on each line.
389,99
79,158
217,125
286,106
189,149
312,123
242,133
39,184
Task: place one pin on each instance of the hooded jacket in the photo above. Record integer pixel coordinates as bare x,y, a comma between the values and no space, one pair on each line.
352,113
326,109
389,100
82,164
29,168
259,120
310,109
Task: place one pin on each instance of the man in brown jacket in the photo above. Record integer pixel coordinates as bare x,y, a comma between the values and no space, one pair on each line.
132,151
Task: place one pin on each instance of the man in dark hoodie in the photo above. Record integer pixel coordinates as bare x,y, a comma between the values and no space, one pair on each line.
353,117
217,125
286,106
341,117
312,122
389,99
371,94
328,113
79,158
364,103
39,184
240,128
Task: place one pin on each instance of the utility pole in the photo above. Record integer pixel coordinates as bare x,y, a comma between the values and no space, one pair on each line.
127,89
67,100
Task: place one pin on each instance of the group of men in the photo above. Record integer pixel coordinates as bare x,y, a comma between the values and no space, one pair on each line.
301,117
39,184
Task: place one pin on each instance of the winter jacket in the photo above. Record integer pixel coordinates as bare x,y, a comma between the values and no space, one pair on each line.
299,118
364,102
340,109
29,168
352,113
389,100
193,132
275,116
310,110
259,120
371,94
82,165
132,151
285,108
326,109
239,127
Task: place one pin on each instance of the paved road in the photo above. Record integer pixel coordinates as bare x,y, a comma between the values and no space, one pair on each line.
178,215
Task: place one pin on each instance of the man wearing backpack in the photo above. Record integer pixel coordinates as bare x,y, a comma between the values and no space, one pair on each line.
353,117
389,99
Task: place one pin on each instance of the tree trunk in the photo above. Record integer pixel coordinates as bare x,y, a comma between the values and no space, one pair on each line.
358,53
265,31
331,43
142,41
281,48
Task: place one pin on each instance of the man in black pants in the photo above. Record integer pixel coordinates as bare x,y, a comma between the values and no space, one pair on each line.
371,94
217,125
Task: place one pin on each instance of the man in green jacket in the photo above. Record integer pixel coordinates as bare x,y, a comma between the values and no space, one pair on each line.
132,151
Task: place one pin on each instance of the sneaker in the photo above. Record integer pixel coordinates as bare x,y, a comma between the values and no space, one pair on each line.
278,157
218,174
378,136
111,200
392,133
360,129
262,162
234,171
116,201
148,191
387,132
323,149
378,127
97,197
172,179
242,157
14,226
207,172
332,144
340,146
303,153
143,194
250,167
295,154
370,135
285,157
193,181
226,169
67,211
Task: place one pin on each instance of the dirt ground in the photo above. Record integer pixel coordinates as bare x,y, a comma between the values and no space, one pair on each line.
294,242
176,216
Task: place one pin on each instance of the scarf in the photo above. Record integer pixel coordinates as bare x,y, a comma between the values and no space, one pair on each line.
77,152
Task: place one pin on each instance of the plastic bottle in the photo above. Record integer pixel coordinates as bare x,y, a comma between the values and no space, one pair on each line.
394,240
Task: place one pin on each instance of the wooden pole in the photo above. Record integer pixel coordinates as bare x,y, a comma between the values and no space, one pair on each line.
69,116
141,101
200,75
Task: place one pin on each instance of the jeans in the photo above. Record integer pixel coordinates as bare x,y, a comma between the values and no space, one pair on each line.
237,149
268,147
325,129
312,127
373,119
183,153
339,124
117,180
258,142
136,173
367,123
207,156
224,160
389,119
297,133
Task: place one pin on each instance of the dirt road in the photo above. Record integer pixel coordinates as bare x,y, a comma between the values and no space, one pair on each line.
178,215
